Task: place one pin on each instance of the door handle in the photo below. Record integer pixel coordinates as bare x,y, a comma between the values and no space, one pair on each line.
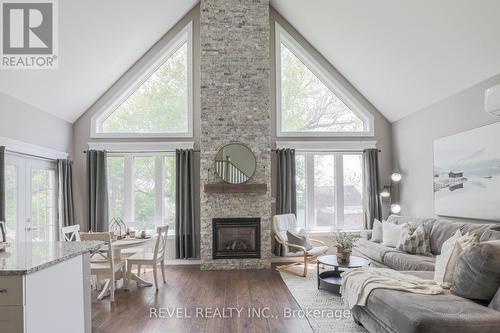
27,229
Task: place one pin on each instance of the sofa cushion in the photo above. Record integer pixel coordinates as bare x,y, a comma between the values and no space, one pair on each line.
427,222
441,231
477,228
426,275
416,313
377,231
402,261
372,250
495,302
477,274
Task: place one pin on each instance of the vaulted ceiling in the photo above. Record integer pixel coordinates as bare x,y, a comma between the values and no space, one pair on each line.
401,55
98,41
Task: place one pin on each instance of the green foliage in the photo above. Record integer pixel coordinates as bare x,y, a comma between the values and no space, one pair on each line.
160,103
144,187
345,240
116,186
308,104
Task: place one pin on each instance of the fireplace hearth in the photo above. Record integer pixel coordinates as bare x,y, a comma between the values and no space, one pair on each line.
236,238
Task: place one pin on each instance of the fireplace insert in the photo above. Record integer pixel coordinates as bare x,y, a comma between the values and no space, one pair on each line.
236,238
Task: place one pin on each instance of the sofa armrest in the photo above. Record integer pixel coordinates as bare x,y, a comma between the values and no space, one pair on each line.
366,234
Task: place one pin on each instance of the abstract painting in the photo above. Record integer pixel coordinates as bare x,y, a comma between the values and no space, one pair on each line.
467,174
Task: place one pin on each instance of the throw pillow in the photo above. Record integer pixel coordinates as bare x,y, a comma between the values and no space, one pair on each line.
376,231
450,251
390,234
414,240
299,238
477,274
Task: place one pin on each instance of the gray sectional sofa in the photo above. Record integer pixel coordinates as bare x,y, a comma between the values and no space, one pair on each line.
403,312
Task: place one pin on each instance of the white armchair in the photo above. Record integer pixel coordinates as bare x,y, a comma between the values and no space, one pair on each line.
288,222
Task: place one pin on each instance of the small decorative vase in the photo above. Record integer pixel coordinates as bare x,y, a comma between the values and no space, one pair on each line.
343,255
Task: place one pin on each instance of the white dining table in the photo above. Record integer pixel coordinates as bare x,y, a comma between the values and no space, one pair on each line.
117,247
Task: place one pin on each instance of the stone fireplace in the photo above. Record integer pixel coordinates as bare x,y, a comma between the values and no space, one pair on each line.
236,238
235,107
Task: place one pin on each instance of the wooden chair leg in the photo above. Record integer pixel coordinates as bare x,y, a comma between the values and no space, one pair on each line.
305,265
286,269
155,276
163,271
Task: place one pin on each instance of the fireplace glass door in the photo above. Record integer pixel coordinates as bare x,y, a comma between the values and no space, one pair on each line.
236,238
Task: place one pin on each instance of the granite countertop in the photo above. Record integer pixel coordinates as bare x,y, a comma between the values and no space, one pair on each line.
25,258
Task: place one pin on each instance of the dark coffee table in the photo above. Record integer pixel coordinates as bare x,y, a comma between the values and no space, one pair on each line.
330,279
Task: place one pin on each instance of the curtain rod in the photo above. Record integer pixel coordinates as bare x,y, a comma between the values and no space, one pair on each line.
12,152
136,152
272,150
328,151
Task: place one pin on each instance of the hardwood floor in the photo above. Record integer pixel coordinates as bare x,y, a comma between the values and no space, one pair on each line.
198,294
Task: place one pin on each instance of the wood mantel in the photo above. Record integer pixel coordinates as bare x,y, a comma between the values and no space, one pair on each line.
236,188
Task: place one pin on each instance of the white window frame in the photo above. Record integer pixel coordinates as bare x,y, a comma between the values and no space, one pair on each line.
129,178
282,36
144,72
338,149
338,166
129,150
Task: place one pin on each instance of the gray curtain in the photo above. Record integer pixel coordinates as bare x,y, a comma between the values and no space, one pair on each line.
286,190
65,175
2,189
97,186
185,232
372,206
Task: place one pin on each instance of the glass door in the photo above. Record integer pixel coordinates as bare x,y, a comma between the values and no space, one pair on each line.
42,203
31,202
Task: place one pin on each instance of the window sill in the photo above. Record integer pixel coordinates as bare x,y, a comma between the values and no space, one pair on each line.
325,233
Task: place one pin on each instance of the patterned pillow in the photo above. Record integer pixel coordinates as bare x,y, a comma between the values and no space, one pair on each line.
414,240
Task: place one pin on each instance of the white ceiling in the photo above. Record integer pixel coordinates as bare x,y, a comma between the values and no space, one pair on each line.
98,41
402,55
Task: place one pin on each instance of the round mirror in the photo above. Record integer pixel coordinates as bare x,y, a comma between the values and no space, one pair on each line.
235,163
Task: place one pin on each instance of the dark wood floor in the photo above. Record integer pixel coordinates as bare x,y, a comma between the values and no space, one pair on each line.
188,289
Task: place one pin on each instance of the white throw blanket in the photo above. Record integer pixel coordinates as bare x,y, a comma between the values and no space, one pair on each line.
358,283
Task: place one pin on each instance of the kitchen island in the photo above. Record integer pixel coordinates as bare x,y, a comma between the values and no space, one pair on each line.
45,287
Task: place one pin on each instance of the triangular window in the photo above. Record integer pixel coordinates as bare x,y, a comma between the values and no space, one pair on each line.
308,99
158,102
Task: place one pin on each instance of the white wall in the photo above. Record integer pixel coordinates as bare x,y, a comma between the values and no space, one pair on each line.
26,123
413,138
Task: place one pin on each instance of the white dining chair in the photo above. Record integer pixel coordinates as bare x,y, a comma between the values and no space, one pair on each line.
151,259
103,263
70,233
